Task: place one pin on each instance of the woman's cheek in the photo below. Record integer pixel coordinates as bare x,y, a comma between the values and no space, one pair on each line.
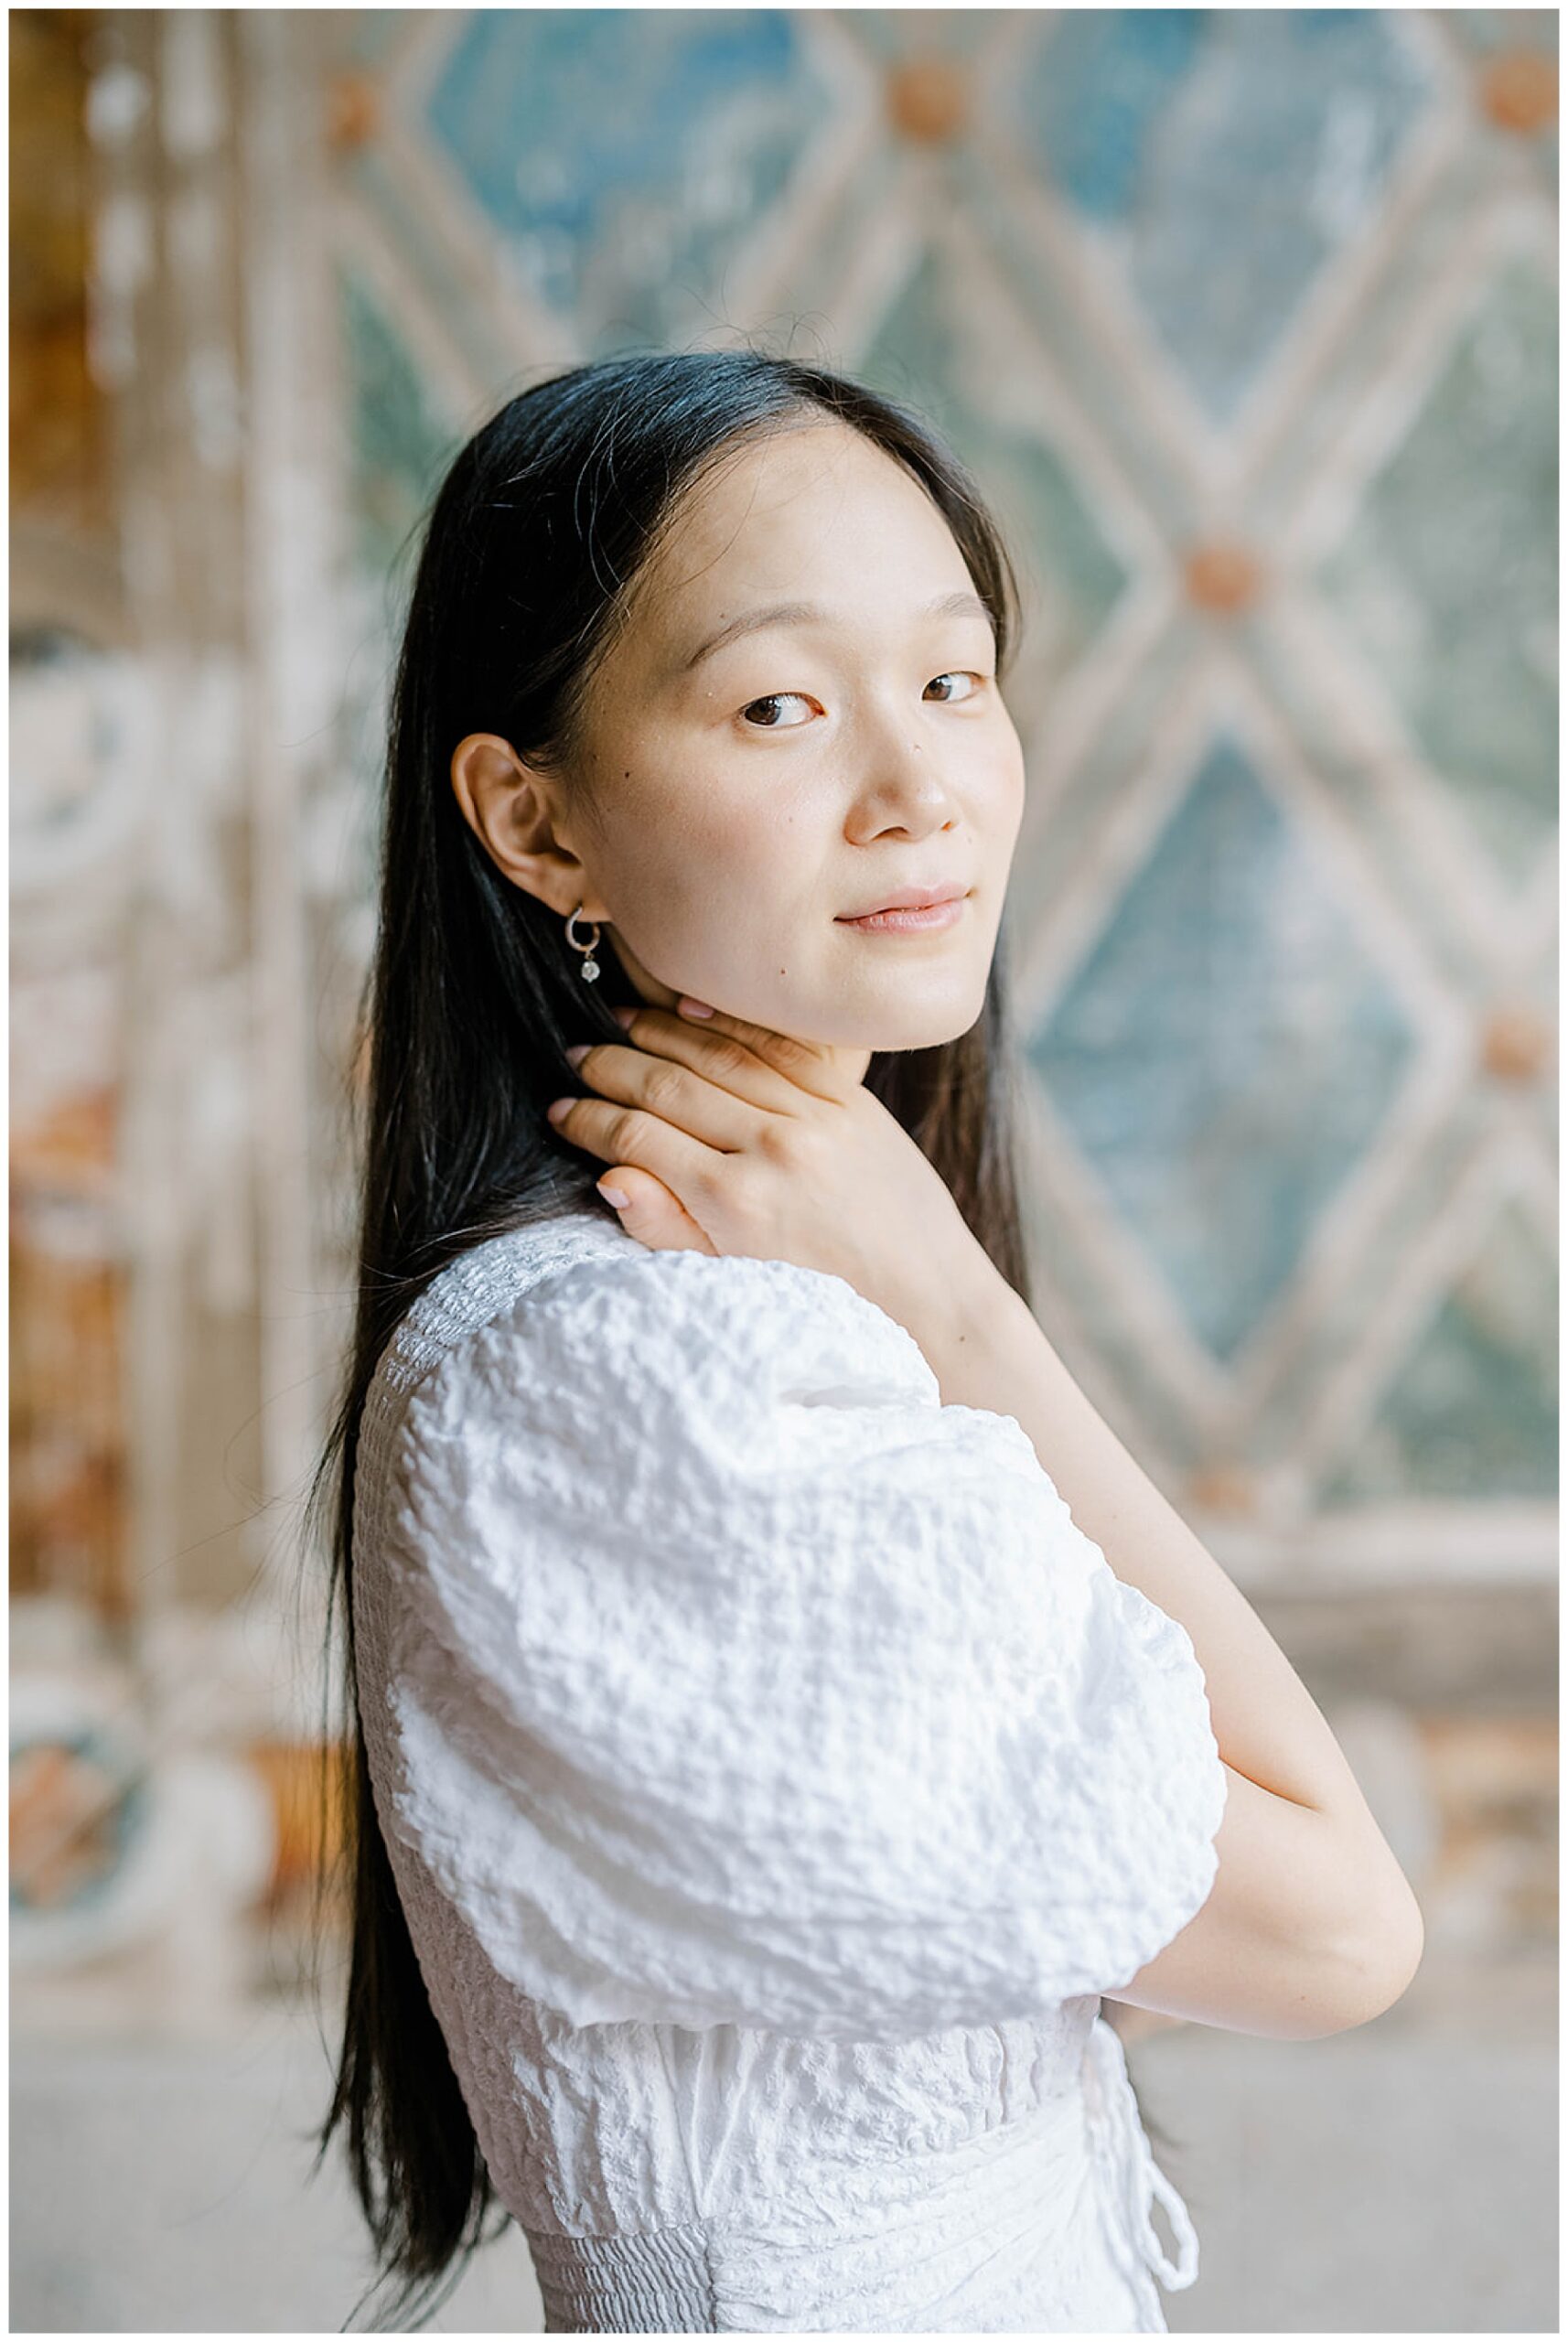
999,802
693,909
748,851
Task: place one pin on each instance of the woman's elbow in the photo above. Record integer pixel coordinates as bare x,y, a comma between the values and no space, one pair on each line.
1375,1962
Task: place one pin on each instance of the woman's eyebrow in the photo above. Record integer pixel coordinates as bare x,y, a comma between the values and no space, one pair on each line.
962,604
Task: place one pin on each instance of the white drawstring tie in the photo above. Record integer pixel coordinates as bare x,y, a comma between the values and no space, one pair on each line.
1131,2176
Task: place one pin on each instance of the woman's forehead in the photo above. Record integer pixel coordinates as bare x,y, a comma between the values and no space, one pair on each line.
791,537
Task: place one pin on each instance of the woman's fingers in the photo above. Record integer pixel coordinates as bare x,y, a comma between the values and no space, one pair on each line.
809,1065
677,1094
720,1057
626,1135
647,1210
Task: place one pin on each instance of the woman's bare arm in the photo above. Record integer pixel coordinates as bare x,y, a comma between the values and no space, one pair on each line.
1312,1927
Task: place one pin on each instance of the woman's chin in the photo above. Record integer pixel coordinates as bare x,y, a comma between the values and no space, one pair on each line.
911,1036
909,1025
925,1016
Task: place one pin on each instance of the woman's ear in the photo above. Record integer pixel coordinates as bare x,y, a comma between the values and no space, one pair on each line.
511,809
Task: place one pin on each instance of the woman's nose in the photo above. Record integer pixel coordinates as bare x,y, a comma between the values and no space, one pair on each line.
908,790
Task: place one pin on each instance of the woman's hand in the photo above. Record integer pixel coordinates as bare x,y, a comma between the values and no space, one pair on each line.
726,1137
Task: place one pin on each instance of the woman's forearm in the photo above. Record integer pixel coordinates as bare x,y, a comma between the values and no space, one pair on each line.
1310,1891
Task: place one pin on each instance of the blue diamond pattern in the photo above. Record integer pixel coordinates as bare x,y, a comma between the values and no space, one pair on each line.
1223,155
623,153
1225,1053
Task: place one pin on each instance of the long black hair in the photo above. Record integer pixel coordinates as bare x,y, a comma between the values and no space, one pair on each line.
537,533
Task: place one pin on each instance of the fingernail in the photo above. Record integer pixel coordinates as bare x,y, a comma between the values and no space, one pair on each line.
693,1007
614,1196
623,1016
577,1052
557,1107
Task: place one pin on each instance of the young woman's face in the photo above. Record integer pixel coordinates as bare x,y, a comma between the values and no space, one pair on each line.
738,801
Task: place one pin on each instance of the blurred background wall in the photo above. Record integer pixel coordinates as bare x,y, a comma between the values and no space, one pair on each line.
1246,321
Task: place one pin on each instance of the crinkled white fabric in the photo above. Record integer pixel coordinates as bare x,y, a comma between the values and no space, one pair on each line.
774,1776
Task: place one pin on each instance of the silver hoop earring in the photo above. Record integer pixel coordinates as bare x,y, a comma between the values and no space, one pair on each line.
590,967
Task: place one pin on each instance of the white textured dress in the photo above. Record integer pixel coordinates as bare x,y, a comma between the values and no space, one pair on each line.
774,1777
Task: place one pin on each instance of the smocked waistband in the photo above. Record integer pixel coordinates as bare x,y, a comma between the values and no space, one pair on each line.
656,2282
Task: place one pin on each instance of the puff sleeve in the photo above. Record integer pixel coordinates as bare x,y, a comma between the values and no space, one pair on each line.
737,1678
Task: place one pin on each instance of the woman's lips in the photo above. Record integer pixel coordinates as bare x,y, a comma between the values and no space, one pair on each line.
910,922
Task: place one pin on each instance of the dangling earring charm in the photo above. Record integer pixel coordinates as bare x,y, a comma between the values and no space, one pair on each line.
590,965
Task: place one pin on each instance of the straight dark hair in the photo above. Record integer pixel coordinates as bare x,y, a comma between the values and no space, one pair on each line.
537,535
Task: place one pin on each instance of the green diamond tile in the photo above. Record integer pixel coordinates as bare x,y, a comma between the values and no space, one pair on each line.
1471,1412
1446,580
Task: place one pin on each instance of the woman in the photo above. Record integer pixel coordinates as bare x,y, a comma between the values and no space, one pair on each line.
762,1772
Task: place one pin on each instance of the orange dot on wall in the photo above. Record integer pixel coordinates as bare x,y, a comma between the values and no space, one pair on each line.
1223,1488
353,112
926,99
1222,578
1519,90
1515,1044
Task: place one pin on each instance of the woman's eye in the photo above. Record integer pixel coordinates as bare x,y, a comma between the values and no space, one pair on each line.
764,715
773,699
